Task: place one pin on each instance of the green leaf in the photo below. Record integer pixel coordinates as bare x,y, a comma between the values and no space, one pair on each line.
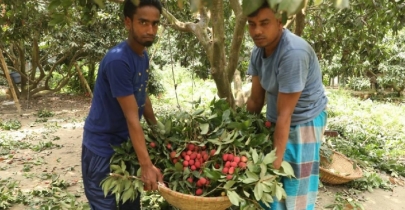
246,193
127,184
160,125
127,194
287,169
229,184
318,2
258,191
234,125
249,180
100,3
213,175
252,175
178,166
279,192
267,198
204,128
273,3
115,167
213,116
342,4
123,166
268,180
292,7
53,5
250,6
198,112
233,197
218,150
263,170
270,157
107,185
255,156
168,126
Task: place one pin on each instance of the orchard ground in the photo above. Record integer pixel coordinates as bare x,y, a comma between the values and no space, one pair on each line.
53,146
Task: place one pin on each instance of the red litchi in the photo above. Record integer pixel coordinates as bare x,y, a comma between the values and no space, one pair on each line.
152,144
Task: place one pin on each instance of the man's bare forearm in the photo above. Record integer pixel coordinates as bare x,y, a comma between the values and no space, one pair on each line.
148,113
254,107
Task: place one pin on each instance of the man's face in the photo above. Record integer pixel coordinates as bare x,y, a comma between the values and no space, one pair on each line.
264,28
144,25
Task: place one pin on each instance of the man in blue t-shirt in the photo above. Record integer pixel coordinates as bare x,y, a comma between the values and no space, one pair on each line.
285,70
120,99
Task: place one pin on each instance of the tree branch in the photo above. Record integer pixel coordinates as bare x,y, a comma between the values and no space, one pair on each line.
236,7
237,39
178,25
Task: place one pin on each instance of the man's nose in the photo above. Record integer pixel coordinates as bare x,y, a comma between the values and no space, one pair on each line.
150,29
257,31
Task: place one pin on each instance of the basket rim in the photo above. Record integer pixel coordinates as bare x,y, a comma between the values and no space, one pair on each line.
350,177
163,189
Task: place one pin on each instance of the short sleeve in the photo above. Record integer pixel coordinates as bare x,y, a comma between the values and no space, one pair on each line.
252,70
120,78
293,71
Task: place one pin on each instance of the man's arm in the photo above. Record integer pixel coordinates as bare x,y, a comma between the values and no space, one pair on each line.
256,100
150,174
148,112
286,103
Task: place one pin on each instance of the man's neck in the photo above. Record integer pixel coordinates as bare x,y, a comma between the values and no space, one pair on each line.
136,47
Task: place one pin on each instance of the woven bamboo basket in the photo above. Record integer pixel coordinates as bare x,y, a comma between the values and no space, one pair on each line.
340,170
190,202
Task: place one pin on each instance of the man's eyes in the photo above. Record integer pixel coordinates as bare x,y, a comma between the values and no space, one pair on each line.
146,23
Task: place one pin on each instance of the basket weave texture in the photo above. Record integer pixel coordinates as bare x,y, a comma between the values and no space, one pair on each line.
343,170
190,202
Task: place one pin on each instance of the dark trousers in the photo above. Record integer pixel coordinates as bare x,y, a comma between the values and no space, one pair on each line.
94,169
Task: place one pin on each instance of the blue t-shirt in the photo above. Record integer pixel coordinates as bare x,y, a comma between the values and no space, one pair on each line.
293,67
122,72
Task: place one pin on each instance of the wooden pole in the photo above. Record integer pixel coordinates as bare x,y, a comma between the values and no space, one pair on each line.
84,81
10,82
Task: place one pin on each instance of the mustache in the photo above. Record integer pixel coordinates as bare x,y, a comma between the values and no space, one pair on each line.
258,37
149,37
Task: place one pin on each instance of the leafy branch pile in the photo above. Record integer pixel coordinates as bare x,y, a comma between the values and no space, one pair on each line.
220,153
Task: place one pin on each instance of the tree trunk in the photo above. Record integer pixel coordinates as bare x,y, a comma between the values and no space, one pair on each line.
218,64
222,71
83,80
90,76
10,82
237,87
299,23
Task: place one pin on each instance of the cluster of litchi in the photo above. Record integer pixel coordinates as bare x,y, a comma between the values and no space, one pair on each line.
231,163
193,157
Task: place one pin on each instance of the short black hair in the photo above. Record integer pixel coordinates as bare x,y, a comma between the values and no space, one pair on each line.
264,5
130,7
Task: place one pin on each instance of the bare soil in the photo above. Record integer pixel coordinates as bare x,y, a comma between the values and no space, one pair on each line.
65,129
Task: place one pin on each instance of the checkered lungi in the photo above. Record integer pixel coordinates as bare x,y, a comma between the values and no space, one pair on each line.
302,152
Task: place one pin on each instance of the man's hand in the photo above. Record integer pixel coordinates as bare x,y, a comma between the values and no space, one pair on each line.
150,176
277,163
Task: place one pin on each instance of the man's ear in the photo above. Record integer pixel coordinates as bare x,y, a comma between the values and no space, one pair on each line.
280,24
128,23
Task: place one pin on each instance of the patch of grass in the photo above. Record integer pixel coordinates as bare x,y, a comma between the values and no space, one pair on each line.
41,146
9,193
41,120
373,133
44,113
347,200
10,124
